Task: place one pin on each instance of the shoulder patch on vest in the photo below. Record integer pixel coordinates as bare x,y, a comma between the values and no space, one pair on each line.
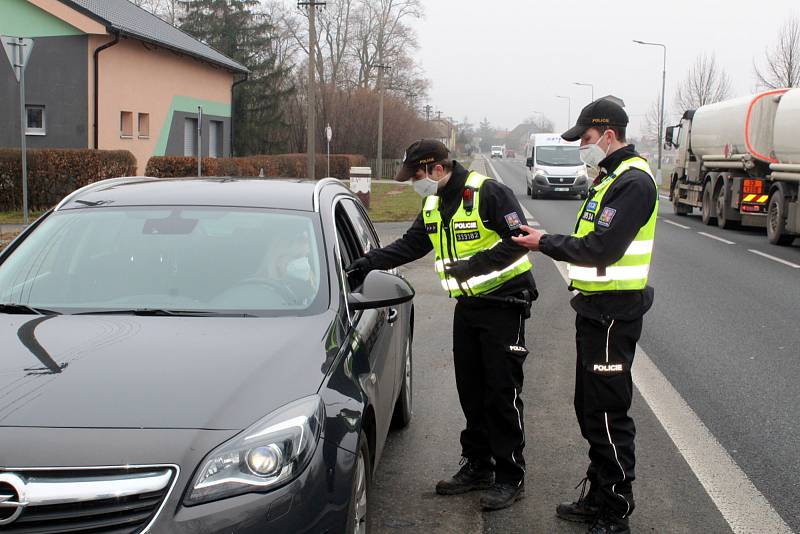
588,216
432,228
606,216
592,205
513,221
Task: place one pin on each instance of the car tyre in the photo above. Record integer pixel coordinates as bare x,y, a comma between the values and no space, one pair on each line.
403,406
534,194
528,189
776,220
359,520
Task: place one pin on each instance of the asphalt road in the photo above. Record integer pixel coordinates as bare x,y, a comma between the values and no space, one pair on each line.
724,332
670,499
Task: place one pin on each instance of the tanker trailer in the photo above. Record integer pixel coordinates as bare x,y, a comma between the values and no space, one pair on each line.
783,211
723,163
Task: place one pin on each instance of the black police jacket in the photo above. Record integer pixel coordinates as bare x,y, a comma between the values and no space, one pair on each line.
496,202
633,196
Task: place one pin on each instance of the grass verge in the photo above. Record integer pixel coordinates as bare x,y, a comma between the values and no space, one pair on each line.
16,217
6,238
393,203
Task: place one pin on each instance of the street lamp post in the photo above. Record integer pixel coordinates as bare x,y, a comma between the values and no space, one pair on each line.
569,109
661,111
587,85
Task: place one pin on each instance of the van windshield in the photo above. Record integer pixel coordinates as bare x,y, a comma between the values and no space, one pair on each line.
558,156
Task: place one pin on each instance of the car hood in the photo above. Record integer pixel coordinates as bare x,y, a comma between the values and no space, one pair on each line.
156,372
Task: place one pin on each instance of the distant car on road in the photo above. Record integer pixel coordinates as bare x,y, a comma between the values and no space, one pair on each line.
183,356
497,151
510,153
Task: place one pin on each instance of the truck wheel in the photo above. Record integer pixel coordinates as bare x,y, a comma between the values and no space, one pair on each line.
719,206
707,211
776,220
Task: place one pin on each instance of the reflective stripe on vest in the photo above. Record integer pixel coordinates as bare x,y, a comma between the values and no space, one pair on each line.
632,270
464,237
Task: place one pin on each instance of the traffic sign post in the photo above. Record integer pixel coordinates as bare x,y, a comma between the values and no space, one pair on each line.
329,136
18,50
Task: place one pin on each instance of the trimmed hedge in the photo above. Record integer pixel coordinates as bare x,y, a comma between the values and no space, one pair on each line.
54,173
274,166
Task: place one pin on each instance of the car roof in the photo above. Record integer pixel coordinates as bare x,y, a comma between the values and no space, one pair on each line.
277,193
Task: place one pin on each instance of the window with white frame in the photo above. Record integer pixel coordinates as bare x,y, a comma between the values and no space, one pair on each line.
35,122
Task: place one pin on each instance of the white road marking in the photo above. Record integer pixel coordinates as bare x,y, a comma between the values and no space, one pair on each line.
717,238
745,508
665,197
673,223
773,258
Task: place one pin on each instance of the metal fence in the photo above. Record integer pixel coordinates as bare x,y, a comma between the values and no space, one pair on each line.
390,167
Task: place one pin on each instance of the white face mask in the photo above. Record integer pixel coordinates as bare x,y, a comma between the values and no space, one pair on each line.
592,154
427,186
299,269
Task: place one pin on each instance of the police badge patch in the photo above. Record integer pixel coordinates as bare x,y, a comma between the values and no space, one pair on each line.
606,216
513,221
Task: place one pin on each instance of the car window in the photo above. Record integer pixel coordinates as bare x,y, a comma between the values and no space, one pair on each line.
177,258
361,226
349,245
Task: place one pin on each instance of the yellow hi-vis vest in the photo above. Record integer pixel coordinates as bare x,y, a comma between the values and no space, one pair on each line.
631,271
464,237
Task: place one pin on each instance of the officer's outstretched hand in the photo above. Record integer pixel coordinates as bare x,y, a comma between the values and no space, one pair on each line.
360,268
530,240
459,270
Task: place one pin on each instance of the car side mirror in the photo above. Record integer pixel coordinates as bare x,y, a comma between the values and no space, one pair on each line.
380,289
529,163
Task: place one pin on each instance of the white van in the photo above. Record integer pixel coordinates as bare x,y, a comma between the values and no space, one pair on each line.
498,151
554,167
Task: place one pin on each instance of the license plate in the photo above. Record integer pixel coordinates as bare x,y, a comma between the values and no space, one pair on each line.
561,189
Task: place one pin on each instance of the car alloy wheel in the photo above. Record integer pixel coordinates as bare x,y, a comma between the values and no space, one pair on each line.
360,507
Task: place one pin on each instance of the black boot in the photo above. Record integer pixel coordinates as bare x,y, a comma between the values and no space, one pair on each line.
609,524
502,495
473,475
584,510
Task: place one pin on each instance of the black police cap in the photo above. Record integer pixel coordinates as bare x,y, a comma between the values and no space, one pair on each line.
423,152
598,114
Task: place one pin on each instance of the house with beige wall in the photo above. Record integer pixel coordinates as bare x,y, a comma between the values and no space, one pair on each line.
107,74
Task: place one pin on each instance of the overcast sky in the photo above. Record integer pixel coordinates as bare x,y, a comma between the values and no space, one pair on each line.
503,59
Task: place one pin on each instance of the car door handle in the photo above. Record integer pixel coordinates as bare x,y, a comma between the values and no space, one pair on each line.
393,315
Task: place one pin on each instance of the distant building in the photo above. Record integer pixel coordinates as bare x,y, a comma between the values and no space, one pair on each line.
445,132
107,74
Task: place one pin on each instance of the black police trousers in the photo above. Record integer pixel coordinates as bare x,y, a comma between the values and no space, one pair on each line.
489,350
603,393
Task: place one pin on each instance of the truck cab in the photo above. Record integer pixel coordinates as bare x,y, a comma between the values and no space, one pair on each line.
555,167
497,151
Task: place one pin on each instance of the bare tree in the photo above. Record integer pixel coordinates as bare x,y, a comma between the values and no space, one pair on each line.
782,67
705,83
651,122
168,10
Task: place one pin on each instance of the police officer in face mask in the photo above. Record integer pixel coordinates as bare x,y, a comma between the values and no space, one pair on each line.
468,219
609,260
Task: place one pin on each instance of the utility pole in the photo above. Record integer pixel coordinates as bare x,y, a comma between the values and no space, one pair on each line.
379,162
428,109
311,125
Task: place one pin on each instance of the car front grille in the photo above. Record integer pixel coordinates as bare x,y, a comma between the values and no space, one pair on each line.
92,501
561,180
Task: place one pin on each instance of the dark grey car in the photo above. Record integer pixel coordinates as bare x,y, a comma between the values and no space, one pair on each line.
190,356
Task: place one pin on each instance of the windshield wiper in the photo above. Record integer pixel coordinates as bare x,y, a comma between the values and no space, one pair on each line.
157,312
24,309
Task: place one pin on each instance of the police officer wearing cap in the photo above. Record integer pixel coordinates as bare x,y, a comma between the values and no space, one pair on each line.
609,259
468,219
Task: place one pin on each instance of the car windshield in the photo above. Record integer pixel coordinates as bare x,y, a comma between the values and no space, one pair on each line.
225,260
558,156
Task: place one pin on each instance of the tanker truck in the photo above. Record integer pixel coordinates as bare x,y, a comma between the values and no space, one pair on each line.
738,162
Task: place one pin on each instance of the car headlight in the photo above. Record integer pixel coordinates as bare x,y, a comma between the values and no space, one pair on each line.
540,173
269,454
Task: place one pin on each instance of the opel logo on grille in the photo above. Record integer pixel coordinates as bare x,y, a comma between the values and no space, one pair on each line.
12,497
